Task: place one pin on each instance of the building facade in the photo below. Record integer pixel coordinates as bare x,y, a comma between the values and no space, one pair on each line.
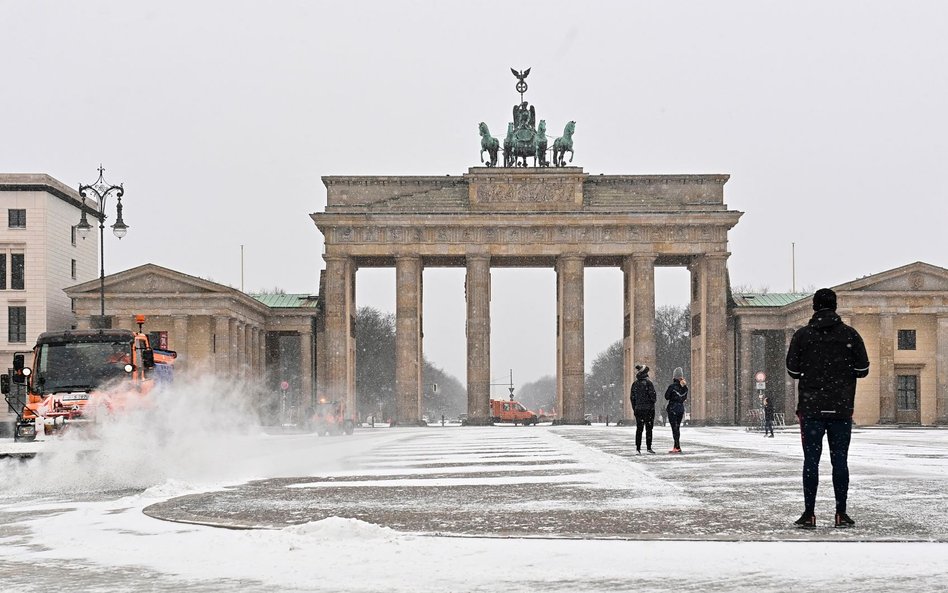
40,255
214,329
902,315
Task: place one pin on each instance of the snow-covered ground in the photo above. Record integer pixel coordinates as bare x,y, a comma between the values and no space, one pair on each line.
462,509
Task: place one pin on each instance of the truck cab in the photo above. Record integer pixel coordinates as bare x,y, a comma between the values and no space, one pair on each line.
71,369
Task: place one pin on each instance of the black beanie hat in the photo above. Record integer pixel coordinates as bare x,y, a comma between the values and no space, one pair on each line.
824,298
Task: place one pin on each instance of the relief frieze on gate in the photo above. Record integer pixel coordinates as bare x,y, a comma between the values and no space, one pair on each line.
527,234
541,190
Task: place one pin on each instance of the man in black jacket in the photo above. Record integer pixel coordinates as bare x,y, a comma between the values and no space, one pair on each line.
826,357
643,398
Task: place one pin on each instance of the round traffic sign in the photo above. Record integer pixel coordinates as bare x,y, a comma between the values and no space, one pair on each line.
284,385
760,376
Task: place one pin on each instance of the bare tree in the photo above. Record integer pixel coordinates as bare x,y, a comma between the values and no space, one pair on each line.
604,388
672,343
375,372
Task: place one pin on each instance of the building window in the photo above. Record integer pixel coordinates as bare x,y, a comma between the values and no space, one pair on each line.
17,270
17,324
906,339
907,392
72,269
3,271
17,218
72,234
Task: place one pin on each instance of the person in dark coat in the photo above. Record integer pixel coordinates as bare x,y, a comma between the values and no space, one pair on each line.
768,417
826,357
676,394
643,398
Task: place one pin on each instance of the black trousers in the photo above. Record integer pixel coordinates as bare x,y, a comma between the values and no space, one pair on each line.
838,434
675,421
644,419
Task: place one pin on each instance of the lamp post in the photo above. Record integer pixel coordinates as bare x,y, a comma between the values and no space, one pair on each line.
100,191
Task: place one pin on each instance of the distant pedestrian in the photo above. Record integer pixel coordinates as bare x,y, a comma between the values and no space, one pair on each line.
676,394
768,418
643,398
826,356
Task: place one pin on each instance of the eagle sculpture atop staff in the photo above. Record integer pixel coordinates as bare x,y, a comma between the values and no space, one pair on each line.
521,83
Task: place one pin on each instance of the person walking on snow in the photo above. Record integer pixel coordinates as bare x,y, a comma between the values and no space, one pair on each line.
768,417
643,398
826,357
676,394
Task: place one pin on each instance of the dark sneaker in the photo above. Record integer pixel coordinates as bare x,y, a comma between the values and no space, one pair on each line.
843,520
806,521
638,452
652,452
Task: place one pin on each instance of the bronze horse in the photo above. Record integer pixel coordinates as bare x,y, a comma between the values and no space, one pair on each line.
489,144
563,144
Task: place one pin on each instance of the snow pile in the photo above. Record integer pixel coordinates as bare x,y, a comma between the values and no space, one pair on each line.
340,528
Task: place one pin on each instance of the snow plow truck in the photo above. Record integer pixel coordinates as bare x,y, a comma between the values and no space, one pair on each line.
74,371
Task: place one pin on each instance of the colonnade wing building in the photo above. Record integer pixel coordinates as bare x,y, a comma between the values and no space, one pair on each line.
902,316
214,329
561,218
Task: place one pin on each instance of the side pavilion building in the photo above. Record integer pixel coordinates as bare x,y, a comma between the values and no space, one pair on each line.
901,314
214,328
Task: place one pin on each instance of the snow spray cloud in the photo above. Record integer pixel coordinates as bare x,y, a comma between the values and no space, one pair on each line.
189,431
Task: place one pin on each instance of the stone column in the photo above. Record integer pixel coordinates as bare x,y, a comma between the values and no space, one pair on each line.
638,321
643,320
941,370
477,293
408,360
179,342
221,344
246,352
306,370
234,348
338,311
887,369
320,357
698,347
570,354
252,353
628,347
719,398
745,378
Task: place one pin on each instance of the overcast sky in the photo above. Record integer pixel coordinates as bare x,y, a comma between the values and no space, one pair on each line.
221,117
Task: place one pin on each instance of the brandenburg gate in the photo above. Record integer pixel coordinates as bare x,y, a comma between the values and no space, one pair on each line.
514,215
557,217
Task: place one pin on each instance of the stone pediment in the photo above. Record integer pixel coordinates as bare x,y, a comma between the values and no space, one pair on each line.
916,277
151,279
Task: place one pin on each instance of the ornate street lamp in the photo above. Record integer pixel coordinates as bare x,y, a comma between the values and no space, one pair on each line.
100,191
